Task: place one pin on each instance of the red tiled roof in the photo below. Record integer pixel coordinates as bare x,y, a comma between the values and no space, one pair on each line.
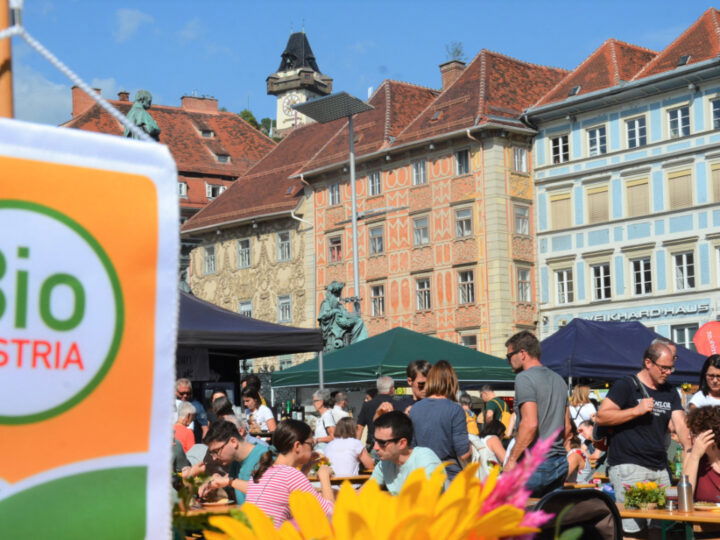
396,104
611,63
179,131
267,188
701,42
492,87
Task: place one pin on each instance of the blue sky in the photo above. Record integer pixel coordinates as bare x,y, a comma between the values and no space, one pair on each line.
227,48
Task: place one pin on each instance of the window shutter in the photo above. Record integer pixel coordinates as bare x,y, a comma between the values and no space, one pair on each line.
680,189
716,183
597,199
560,211
638,198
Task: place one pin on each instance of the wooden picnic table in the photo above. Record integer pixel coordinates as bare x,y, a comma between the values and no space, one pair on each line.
337,480
213,509
694,517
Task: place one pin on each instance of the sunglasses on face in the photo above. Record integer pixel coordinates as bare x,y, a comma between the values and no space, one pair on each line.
382,443
184,393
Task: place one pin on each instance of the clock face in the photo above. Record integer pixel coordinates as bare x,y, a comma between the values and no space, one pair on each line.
288,102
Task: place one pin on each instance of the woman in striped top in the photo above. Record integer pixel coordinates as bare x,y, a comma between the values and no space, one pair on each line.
277,474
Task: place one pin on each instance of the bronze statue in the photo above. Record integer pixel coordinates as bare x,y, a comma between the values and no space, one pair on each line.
339,327
139,116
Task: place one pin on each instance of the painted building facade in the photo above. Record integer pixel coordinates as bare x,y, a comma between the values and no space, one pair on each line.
627,179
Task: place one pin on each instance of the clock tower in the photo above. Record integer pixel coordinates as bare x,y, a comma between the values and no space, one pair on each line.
298,79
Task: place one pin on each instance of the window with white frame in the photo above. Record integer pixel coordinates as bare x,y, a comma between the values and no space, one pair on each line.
377,240
715,181
421,234
245,308
374,187
684,265
377,300
334,249
564,286
469,341
284,251
284,309
419,172
597,141
682,334
286,361
466,287
642,275
209,259
334,191
422,294
637,194
243,253
524,291
636,132
597,204
560,147
213,190
680,189
522,219
715,109
182,189
222,158
462,162
463,222
601,281
679,122
520,159
560,211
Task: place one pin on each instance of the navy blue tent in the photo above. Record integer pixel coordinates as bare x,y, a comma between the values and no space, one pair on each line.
608,351
203,324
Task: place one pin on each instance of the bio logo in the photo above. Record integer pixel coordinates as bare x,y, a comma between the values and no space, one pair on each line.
61,312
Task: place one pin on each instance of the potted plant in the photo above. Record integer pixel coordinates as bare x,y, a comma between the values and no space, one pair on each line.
645,495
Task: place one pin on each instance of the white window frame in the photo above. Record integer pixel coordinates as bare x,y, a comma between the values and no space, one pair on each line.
244,254
223,158
601,281
715,113
284,246
564,286
377,300
284,308
466,286
245,308
464,223
678,122
684,270
183,190
560,149
638,125
214,190
376,240
521,219
421,231
286,361
597,140
640,267
334,194
462,162
520,159
423,294
209,261
523,279
682,334
374,181
335,252
419,172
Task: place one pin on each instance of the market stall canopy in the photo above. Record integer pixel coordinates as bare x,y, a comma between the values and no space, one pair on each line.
609,350
203,324
389,353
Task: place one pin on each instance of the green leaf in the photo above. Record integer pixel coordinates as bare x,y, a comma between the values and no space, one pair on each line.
571,534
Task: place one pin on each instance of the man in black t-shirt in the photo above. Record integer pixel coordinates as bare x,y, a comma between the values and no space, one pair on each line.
638,410
386,391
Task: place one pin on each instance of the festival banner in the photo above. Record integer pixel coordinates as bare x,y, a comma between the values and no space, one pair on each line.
88,316
707,338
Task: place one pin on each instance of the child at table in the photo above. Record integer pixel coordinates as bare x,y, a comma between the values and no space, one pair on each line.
345,452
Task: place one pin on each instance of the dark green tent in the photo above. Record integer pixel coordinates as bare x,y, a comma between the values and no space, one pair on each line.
388,354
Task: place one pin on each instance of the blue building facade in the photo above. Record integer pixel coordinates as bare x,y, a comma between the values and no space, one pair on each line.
627,194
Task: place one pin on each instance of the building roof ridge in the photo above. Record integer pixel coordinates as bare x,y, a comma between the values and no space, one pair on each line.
388,112
531,64
405,83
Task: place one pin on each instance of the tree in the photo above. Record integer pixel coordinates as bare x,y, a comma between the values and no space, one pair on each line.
249,117
455,51
267,126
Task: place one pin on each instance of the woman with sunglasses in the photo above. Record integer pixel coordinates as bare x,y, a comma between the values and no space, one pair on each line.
283,470
709,393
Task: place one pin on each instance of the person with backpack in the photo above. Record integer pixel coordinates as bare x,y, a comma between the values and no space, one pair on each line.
495,407
636,414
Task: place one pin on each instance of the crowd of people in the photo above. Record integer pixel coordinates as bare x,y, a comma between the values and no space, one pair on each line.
629,431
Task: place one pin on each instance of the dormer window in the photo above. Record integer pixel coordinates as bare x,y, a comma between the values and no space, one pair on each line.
574,91
207,133
183,189
223,158
213,190
683,60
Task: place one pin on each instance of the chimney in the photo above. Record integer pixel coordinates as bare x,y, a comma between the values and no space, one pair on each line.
450,71
123,95
81,102
200,104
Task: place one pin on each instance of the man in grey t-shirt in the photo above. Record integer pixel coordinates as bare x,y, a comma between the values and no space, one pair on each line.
541,410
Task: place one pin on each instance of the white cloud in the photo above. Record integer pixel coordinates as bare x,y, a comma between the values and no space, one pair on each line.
127,23
192,30
108,86
37,99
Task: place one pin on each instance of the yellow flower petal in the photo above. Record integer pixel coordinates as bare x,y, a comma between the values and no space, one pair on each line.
261,524
212,535
233,527
309,515
447,520
345,502
287,531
